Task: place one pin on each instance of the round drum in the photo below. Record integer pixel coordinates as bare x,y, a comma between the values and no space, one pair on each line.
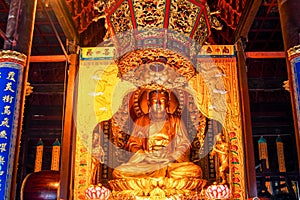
43,185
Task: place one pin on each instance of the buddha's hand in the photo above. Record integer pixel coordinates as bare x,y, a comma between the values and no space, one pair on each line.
157,156
157,160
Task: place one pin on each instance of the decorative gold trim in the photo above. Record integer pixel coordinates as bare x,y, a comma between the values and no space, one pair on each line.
9,54
217,50
293,52
189,18
143,188
28,88
172,64
286,85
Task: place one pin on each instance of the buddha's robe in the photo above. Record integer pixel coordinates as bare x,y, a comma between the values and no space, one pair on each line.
159,149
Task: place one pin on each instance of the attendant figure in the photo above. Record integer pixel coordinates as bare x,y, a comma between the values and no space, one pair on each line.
97,159
220,150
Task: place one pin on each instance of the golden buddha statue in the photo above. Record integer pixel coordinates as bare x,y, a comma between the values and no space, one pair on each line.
159,144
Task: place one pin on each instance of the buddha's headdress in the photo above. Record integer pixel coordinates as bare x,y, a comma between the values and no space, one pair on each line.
158,94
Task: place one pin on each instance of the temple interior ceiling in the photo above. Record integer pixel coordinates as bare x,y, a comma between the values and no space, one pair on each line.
257,21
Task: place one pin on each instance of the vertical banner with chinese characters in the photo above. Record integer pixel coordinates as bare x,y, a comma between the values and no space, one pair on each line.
11,72
95,64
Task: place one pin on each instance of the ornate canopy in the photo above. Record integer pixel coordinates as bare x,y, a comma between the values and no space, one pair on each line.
156,35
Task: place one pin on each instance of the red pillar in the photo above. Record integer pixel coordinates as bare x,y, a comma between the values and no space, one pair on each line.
289,11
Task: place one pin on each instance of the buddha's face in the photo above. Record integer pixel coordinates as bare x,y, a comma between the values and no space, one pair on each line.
158,103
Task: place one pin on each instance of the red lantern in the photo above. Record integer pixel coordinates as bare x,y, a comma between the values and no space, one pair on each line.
97,192
217,192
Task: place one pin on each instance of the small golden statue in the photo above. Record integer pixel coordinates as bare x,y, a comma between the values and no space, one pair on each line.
220,150
28,89
159,144
97,159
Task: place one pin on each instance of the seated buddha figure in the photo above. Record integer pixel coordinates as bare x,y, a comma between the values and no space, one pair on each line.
159,144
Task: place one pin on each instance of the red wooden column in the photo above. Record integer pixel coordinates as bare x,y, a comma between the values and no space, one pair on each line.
250,173
290,25
68,139
64,18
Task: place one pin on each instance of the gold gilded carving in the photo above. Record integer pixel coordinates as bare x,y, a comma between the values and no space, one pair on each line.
120,19
221,152
293,52
143,188
215,23
201,32
149,13
286,85
182,16
16,56
28,89
121,25
217,97
136,106
233,127
157,194
210,90
139,66
99,7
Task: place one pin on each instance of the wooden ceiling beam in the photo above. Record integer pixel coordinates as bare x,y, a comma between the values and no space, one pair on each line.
247,19
48,58
263,55
278,29
65,20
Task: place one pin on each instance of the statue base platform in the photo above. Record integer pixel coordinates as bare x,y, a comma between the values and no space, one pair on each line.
161,188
